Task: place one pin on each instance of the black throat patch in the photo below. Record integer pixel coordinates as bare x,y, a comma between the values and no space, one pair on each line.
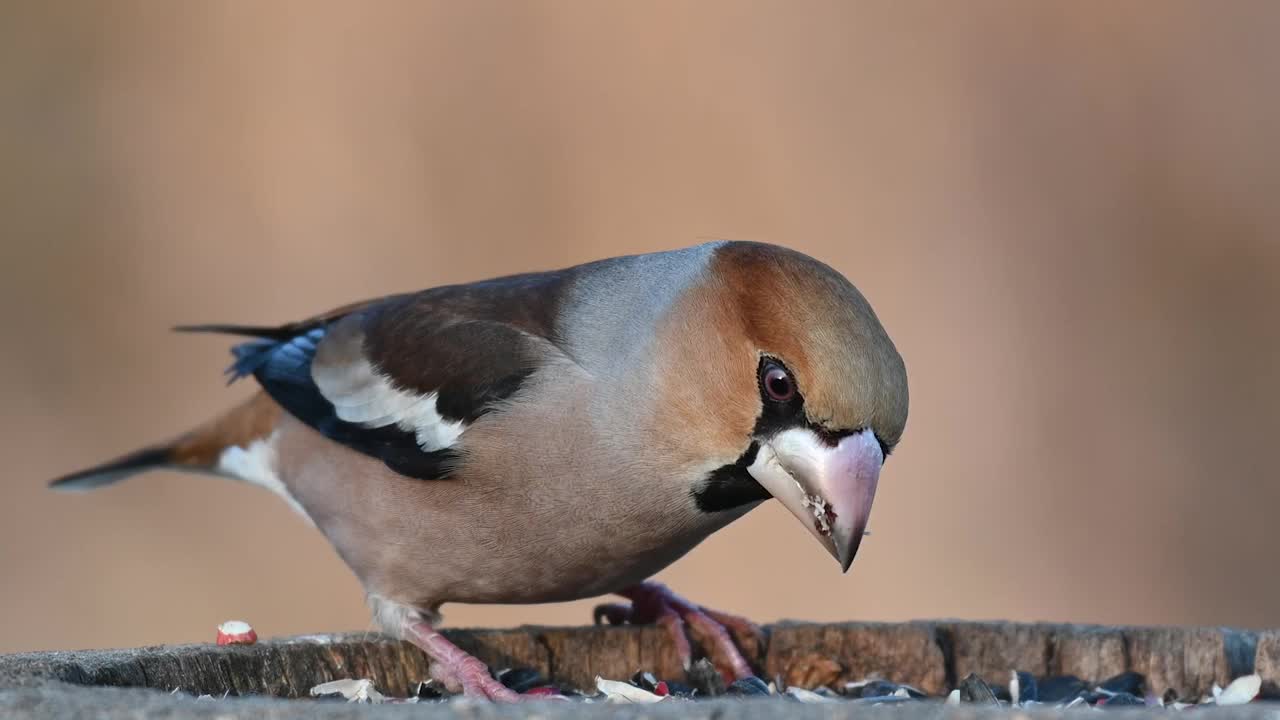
730,486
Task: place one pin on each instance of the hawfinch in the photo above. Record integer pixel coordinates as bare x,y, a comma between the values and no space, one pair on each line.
562,435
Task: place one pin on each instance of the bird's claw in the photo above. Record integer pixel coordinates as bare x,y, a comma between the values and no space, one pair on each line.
614,613
749,636
473,682
654,603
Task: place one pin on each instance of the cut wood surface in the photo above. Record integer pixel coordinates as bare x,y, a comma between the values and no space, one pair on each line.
928,655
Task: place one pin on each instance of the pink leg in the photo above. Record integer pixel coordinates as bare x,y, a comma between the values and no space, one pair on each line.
654,603
452,666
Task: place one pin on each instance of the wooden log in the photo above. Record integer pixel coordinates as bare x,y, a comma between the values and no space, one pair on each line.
1188,660
1267,662
930,656
284,668
808,655
575,656
1089,652
991,650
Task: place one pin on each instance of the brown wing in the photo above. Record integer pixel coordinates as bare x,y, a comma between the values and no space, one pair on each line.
401,378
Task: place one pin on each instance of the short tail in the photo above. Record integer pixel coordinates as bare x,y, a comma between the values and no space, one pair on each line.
200,449
151,458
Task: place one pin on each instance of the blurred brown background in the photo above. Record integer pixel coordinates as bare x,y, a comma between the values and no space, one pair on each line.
1064,213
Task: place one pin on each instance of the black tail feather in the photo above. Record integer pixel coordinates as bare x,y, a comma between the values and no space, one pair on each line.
114,471
278,333
249,357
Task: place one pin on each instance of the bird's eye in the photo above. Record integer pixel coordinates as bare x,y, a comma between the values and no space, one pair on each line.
777,383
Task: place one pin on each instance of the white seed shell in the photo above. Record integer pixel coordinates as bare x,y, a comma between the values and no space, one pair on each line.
620,692
807,696
1241,690
352,690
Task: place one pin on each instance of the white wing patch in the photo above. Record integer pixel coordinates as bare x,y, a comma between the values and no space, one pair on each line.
360,394
256,465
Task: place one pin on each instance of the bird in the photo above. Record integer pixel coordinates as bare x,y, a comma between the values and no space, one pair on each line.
561,434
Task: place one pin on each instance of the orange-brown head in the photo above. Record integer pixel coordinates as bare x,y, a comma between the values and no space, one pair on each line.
784,366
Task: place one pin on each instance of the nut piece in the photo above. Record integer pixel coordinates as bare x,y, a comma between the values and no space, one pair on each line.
236,632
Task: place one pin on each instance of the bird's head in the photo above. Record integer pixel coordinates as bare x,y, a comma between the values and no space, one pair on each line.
796,380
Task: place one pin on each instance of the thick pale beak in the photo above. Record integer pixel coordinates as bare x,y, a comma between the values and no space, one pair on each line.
829,489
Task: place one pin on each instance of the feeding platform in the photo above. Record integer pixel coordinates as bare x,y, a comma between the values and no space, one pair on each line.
814,670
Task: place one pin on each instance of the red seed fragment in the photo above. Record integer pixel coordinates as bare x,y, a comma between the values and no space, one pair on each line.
236,632
545,692
661,689
542,691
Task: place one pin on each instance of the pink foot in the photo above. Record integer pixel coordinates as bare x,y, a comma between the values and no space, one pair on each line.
653,602
451,665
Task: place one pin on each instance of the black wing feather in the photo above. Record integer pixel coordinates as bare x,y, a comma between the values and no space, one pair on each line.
473,345
284,371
